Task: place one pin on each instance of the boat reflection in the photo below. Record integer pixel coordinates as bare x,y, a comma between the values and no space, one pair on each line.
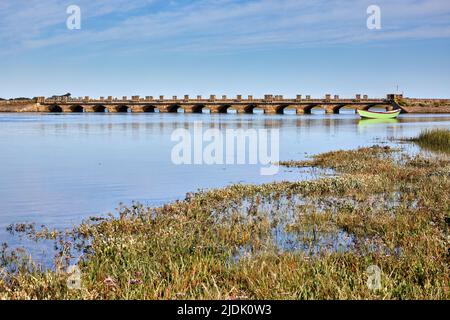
369,122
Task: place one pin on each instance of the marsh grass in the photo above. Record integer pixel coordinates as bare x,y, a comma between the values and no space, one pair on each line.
287,240
434,140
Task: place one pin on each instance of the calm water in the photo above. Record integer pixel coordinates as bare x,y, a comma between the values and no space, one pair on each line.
57,169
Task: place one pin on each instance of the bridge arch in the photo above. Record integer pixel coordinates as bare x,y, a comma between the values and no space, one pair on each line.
55,108
280,109
337,108
148,108
198,108
348,107
223,108
99,108
173,108
249,108
308,109
122,108
76,108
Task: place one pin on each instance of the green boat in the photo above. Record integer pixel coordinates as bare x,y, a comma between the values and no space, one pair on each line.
379,115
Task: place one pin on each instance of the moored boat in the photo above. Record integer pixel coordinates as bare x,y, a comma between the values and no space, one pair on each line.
379,115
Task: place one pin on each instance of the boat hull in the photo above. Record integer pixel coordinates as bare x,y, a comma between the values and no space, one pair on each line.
378,115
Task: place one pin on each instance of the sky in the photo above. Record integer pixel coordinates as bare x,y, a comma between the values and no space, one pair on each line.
224,47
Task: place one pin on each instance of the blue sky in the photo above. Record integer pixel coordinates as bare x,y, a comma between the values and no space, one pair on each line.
289,47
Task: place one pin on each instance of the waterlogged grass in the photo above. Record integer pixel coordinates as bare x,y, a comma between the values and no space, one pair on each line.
434,140
290,240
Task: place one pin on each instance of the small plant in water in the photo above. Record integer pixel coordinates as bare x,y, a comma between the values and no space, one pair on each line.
434,140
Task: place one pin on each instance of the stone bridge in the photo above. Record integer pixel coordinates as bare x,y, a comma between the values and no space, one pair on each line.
270,104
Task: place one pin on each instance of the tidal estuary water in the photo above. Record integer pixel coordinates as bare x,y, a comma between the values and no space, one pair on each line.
57,169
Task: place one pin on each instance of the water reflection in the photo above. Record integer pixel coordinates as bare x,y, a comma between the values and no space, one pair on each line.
57,169
369,122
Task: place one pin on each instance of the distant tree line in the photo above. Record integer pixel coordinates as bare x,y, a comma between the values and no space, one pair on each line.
34,98
19,98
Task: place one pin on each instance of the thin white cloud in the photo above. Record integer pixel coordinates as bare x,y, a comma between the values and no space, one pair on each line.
219,24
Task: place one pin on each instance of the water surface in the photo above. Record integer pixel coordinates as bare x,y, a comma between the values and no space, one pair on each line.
57,169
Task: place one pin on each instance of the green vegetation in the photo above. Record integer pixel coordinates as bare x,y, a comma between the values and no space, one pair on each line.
434,140
21,99
290,240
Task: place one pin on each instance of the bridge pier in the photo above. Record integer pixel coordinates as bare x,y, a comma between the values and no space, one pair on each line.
67,109
248,109
299,110
118,109
215,108
306,109
270,108
142,108
193,108
329,109
92,109
240,109
112,109
188,108
137,109
163,108
88,109
332,109
168,108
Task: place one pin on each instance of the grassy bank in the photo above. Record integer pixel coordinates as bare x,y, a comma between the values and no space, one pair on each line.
435,140
291,240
